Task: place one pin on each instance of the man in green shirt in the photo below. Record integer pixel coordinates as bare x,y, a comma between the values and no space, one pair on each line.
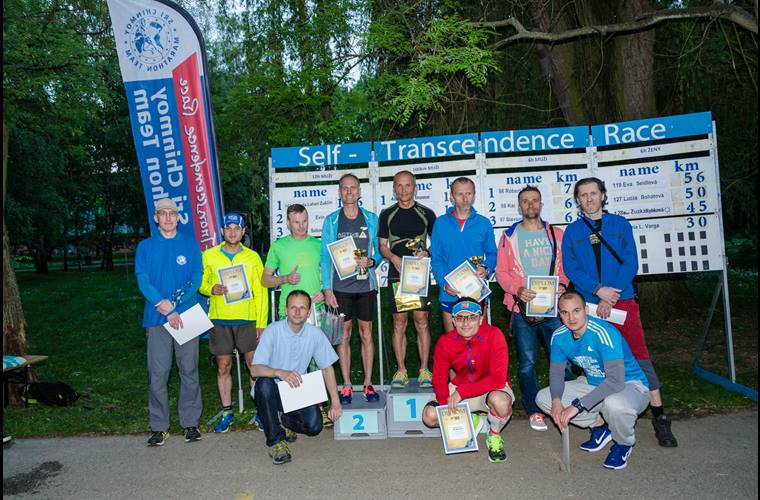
296,260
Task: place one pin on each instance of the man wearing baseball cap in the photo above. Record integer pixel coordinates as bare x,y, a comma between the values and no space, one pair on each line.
168,270
238,306
476,353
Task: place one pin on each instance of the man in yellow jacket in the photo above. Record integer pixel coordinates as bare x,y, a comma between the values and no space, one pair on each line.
238,306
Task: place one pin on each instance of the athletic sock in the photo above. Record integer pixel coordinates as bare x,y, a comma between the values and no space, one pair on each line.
495,423
227,409
657,411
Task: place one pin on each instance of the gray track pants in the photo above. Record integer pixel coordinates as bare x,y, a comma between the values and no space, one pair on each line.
619,410
160,347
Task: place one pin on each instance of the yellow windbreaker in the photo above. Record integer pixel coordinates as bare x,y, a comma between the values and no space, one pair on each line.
255,309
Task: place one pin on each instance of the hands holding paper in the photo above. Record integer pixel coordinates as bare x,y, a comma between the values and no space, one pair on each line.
454,399
165,307
609,296
292,378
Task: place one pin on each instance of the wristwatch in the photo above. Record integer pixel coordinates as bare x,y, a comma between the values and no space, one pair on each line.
577,403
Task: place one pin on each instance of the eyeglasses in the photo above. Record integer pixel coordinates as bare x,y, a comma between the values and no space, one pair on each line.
467,319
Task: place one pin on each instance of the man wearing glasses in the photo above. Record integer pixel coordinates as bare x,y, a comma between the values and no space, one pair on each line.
476,353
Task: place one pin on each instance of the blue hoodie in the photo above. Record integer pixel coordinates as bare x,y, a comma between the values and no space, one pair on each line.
580,262
450,246
330,234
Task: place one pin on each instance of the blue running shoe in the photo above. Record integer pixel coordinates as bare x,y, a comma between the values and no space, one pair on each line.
618,456
257,421
600,436
225,422
370,394
345,395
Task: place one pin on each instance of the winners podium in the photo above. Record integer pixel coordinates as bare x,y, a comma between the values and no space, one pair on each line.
398,413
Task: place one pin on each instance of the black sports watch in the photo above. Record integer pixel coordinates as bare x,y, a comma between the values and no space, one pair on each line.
577,403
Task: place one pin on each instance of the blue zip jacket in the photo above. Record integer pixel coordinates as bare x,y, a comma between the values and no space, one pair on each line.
580,263
330,234
450,246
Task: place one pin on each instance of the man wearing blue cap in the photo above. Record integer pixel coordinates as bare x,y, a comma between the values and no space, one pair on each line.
476,353
238,306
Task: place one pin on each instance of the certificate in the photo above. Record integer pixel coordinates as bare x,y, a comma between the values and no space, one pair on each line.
311,392
415,275
236,280
544,304
194,323
467,283
342,257
457,430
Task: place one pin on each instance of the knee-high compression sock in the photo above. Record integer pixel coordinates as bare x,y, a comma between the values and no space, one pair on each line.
496,423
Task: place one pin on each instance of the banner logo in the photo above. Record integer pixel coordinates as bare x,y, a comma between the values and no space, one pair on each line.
151,40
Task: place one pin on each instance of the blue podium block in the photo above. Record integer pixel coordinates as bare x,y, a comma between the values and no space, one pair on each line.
405,406
362,419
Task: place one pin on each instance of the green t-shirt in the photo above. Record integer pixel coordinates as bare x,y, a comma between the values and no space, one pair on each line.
535,251
283,257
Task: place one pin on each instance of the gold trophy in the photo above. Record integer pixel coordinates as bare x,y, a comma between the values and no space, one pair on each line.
415,245
359,253
476,260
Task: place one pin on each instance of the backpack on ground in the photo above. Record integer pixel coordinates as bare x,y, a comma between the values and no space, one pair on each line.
52,393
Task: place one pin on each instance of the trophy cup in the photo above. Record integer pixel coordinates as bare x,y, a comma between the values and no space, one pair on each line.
361,252
476,260
415,245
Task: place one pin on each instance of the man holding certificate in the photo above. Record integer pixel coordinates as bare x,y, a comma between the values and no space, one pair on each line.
530,247
285,350
403,231
169,271
613,391
601,261
238,306
476,353
349,256
460,235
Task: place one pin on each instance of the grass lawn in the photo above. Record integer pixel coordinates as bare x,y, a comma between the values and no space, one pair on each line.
88,323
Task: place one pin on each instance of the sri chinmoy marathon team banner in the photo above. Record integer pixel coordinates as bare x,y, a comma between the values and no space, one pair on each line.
163,64
660,173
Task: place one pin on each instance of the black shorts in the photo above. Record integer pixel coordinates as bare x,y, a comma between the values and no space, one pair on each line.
224,338
359,305
389,291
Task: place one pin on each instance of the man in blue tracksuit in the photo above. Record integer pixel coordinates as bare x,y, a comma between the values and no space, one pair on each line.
459,235
352,296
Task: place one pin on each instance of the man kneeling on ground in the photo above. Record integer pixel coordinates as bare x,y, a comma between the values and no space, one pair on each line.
477,354
610,396
284,352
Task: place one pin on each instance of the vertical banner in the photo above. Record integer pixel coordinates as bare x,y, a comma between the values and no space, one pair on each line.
163,64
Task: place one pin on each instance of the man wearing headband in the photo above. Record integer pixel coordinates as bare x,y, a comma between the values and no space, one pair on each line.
238,306
476,353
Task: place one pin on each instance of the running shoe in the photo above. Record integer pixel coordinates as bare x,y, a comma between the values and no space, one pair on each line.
662,430
326,422
495,445
425,379
400,379
345,395
618,456
158,438
280,453
537,422
370,394
224,423
600,436
192,434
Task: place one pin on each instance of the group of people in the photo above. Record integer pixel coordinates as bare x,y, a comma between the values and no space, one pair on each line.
595,260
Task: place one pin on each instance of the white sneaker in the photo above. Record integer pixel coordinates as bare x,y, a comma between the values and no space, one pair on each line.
537,422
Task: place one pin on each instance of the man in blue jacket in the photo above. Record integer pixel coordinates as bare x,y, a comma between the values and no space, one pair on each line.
352,296
600,259
459,235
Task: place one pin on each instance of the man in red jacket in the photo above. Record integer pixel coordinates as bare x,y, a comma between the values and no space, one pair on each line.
476,353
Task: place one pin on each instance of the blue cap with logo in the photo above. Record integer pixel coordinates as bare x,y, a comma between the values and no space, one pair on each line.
234,218
466,306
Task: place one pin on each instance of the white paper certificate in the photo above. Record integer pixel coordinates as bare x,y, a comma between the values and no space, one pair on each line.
342,257
311,392
415,275
235,279
544,304
194,323
457,430
617,316
467,283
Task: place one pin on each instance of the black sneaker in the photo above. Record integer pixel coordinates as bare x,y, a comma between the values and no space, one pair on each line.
158,438
662,430
192,434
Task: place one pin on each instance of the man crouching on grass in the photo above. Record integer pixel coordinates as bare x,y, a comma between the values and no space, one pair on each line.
284,351
477,354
